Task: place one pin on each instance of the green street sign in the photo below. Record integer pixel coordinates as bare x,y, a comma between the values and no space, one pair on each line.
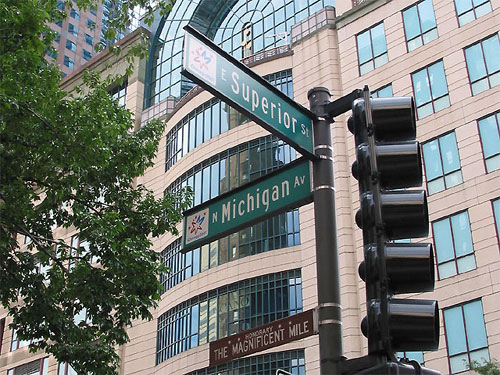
286,188
231,81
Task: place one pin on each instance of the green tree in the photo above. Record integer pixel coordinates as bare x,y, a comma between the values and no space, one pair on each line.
488,368
71,162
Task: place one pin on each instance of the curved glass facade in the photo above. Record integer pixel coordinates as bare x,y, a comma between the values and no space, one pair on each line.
228,310
217,175
211,119
234,167
241,27
292,361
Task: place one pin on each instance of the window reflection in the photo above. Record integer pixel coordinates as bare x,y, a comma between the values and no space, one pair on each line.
228,310
211,119
269,26
292,361
221,173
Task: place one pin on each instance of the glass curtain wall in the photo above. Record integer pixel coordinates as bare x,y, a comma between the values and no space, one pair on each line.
211,119
268,22
217,175
228,310
292,361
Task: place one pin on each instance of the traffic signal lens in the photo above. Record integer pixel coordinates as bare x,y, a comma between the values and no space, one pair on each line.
404,214
413,324
409,267
394,118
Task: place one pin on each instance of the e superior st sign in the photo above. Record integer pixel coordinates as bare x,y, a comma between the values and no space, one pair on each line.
230,80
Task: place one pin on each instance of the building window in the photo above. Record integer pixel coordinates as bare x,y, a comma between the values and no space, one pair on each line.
212,118
228,310
120,93
57,37
430,89
60,5
234,167
271,27
38,367
221,173
72,29
89,39
69,62
420,24
246,40
86,55
16,342
258,238
82,250
483,64
70,45
489,130
74,14
372,48
496,212
42,269
453,244
2,328
65,369
469,10
465,335
292,361
59,23
90,24
442,163
383,92
412,356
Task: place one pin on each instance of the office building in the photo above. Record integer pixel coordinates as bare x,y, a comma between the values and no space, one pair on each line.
80,32
444,53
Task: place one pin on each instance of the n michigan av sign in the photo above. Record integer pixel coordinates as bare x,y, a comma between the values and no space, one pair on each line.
225,77
281,190
267,336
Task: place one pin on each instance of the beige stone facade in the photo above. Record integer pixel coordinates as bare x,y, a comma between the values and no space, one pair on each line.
328,56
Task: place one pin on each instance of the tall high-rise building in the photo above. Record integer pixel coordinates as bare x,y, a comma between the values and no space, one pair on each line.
444,53
79,32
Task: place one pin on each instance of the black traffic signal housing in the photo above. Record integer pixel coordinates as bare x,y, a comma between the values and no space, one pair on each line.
388,158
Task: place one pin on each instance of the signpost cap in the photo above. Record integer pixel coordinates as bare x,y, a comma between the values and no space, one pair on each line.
318,90
318,97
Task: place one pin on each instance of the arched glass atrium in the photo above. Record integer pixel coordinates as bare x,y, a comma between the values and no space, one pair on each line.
240,27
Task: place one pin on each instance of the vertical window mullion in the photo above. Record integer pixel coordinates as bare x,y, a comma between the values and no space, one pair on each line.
453,244
465,330
419,22
371,47
441,162
430,89
485,65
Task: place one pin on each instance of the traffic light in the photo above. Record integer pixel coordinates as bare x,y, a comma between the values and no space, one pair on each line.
387,162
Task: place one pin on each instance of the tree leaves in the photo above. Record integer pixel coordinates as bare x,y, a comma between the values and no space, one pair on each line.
485,368
72,162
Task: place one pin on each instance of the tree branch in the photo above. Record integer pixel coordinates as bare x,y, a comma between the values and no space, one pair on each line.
37,240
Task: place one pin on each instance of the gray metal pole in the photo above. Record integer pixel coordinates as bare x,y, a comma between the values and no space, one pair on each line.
327,266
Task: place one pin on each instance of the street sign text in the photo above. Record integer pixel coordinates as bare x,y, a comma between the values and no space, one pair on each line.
283,189
218,72
273,334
